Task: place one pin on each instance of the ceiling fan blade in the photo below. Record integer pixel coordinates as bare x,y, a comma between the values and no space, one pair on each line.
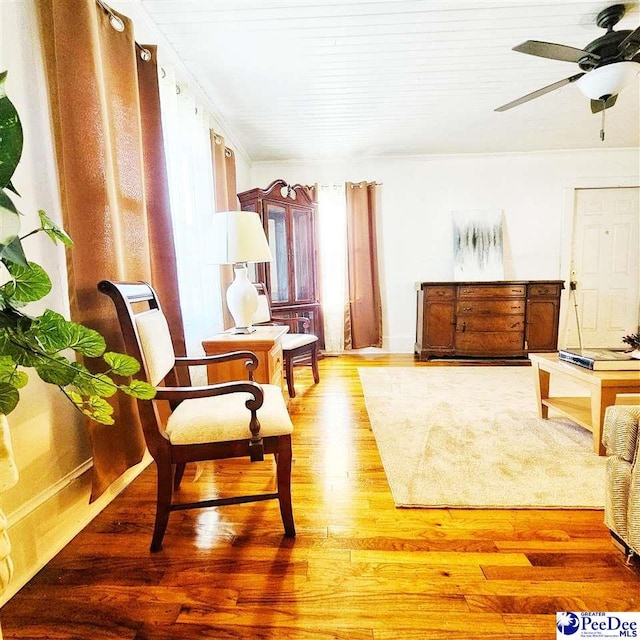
540,92
555,51
600,105
630,45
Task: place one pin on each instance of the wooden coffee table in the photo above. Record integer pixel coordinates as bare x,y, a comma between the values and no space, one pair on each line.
588,412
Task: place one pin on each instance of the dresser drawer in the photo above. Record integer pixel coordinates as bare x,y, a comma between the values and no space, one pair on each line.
492,291
488,323
439,293
544,290
490,307
490,343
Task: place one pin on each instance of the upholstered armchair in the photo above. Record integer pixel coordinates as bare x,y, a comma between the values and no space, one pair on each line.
622,498
212,422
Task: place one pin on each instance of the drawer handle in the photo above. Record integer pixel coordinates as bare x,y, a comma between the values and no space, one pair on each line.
467,308
517,306
464,327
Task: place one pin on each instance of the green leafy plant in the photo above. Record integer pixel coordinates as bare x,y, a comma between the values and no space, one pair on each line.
40,342
633,340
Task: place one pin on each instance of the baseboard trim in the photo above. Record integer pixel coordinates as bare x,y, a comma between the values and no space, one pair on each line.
56,517
37,501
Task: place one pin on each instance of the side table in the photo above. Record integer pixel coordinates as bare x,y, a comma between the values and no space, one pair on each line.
265,342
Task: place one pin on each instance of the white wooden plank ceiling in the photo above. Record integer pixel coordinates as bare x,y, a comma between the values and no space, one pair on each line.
304,79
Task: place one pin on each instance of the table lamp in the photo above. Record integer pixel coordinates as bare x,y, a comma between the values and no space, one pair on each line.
238,238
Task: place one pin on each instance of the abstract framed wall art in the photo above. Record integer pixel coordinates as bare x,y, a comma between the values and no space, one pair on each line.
477,245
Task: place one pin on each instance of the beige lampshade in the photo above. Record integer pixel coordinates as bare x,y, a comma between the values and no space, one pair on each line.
238,236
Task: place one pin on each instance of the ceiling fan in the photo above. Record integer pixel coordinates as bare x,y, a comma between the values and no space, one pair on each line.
607,63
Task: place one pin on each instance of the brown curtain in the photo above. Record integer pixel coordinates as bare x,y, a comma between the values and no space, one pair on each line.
106,120
363,321
226,199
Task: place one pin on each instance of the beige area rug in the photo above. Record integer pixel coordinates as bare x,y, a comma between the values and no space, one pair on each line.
471,437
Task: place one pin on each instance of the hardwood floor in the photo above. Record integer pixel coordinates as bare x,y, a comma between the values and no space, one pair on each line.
359,569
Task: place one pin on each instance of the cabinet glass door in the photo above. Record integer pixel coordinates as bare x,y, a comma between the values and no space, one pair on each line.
303,266
278,268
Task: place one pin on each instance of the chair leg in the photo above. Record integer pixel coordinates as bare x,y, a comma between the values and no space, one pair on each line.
314,363
288,374
165,491
283,460
177,479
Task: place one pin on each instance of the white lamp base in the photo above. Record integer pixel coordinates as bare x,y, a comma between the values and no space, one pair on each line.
242,299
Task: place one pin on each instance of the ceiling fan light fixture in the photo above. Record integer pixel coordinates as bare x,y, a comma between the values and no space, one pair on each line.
608,80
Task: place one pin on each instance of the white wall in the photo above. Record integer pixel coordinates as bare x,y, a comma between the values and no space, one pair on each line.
418,195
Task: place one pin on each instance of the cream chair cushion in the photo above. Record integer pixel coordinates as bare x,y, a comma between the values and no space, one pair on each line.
155,341
224,418
295,340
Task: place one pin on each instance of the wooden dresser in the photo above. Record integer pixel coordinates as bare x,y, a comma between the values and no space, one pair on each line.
487,319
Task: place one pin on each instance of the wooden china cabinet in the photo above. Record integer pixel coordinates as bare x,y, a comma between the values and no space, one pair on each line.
289,216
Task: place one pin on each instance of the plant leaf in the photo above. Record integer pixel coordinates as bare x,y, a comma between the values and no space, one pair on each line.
58,371
56,333
10,135
14,319
87,341
9,219
121,364
13,252
12,188
139,389
10,374
15,344
53,230
88,384
98,409
9,397
29,283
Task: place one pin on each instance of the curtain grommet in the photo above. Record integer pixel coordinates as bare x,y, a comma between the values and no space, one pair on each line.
116,23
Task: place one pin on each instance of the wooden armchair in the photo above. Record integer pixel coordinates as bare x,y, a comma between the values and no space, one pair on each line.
297,348
228,420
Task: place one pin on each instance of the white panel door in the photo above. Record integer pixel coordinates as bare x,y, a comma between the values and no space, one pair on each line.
606,266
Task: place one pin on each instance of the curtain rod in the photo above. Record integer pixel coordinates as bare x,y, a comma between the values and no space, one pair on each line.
117,23
353,186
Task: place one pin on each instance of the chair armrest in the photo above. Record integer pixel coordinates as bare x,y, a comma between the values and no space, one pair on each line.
251,358
293,322
210,390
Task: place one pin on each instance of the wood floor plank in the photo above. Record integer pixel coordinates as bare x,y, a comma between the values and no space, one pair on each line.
359,568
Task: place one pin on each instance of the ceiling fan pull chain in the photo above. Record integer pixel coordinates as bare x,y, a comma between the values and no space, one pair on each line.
604,110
